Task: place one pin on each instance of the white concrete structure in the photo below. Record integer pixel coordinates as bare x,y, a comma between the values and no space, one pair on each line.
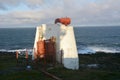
65,41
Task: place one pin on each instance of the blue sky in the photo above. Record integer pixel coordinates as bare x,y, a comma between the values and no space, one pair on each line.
31,13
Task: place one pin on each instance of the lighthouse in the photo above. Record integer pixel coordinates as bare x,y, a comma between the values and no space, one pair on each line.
59,40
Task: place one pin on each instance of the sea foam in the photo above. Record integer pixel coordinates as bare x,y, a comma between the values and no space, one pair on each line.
94,49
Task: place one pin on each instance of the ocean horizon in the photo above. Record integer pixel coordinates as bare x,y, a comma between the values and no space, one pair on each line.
88,39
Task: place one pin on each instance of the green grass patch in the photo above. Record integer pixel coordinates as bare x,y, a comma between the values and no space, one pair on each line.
109,69
25,75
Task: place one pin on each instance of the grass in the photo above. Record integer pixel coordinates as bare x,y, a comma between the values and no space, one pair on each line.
110,62
7,61
86,74
10,70
109,69
25,75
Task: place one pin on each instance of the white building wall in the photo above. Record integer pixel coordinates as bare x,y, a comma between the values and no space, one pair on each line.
65,41
68,45
35,43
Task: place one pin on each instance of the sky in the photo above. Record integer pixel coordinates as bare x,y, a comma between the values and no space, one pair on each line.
32,13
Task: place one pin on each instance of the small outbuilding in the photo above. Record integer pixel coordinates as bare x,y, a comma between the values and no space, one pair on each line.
57,41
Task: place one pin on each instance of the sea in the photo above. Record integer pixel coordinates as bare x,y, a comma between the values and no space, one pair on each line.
89,40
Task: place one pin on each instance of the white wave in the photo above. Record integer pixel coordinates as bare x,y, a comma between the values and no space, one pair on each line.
82,50
105,49
19,50
94,49
86,51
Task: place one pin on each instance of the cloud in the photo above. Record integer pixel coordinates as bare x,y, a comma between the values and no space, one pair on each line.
4,4
2,7
33,3
21,18
82,12
30,17
99,13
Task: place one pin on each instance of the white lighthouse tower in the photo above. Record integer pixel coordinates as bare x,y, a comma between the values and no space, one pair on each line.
65,43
